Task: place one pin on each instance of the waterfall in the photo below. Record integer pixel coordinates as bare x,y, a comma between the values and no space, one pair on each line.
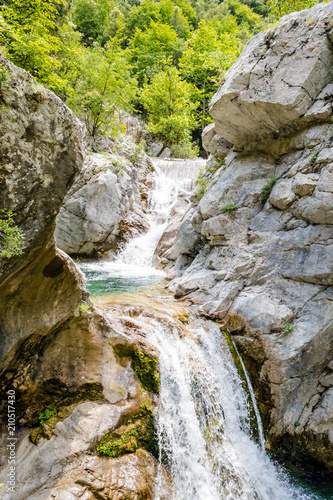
132,267
204,425
203,417
173,178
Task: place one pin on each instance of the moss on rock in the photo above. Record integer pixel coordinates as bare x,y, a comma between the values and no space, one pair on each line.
144,365
137,432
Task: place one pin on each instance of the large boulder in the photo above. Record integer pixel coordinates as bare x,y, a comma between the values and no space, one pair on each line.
60,359
42,149
274,83
264,265
106,205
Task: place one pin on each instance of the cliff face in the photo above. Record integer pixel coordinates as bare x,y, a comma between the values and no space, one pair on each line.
260,239
57,351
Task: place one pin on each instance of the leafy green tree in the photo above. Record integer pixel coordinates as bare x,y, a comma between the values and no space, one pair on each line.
176,13
245,15
204,62
28,36
103,85
92,19
142,15
279,8
169,102
152,47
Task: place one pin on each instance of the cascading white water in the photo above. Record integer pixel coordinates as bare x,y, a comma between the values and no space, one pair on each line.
204,426
203,418
133,266
172,178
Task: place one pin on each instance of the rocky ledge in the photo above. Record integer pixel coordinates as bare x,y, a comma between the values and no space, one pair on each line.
256,253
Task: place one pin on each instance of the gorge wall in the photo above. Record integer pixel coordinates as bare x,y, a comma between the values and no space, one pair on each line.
256,252
58,353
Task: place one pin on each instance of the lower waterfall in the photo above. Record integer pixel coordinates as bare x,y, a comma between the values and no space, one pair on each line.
203,418
204,425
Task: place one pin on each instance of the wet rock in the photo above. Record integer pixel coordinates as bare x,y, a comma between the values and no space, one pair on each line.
129,477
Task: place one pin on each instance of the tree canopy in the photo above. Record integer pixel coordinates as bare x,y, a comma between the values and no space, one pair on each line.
103,56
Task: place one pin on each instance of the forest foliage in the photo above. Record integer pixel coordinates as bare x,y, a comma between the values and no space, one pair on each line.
163,59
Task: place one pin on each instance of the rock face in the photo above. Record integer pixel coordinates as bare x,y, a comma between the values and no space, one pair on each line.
214,144
58,353
106,205
265,228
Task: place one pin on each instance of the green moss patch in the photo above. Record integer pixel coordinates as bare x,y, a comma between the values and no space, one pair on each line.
137,432
143,364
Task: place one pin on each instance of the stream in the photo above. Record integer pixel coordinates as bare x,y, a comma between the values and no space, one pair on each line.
204,415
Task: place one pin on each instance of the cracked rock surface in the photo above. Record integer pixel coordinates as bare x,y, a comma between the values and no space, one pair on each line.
265,269
277,79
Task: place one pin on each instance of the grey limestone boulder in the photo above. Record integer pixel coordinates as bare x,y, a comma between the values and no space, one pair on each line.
276,80
106,204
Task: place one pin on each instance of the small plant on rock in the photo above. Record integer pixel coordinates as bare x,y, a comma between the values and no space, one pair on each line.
313,158
11,238
297,424
118,170
267,188
99,169
230,206
136,156
202,184
288,327
45,416
4,75
83,307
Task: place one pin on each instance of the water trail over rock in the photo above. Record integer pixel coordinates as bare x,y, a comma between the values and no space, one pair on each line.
203,418
204,424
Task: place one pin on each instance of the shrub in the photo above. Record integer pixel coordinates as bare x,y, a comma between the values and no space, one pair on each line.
184,150
11,238
230,206
267,188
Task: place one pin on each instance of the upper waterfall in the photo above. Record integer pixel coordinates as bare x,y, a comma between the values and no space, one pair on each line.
132,267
